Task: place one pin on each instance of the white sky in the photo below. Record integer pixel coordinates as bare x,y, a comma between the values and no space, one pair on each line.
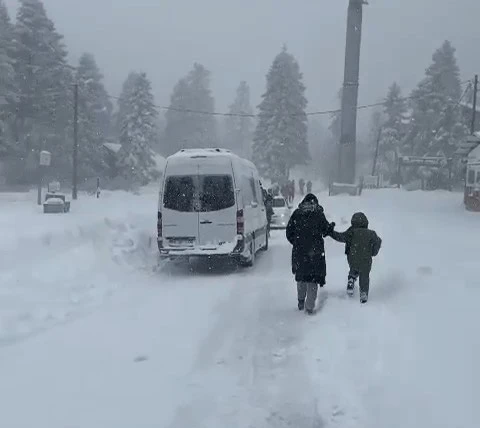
237,40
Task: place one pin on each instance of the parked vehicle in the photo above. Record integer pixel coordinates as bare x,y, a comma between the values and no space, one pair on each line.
472,181
211,205
281,213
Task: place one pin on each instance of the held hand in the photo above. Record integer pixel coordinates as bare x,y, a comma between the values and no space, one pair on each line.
330,228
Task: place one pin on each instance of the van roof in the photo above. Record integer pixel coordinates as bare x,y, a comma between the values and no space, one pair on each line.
211,152
184,155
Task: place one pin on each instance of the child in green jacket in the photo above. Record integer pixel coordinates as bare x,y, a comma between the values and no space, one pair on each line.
361,245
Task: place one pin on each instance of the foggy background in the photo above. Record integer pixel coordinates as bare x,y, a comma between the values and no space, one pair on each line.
237,40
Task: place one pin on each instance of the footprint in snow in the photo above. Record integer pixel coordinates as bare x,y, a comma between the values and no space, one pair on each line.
140,359
425,270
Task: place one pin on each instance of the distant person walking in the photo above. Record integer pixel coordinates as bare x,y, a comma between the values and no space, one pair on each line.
269,209
309,187
301,186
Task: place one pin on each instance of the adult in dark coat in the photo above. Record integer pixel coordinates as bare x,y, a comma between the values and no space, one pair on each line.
305,231
361,245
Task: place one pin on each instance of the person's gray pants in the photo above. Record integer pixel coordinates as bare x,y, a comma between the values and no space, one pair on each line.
307,291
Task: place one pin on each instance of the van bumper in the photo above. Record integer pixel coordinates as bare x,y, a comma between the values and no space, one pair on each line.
226,250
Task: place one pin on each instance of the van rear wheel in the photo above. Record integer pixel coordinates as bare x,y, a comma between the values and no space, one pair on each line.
267,237
249,261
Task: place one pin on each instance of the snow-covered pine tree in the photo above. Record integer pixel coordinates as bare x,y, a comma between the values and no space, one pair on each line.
189,129
44,80
239,128
280,139
205,125
393,131
395,108
176,134
122,104
8,91
437,125
136,160
94,117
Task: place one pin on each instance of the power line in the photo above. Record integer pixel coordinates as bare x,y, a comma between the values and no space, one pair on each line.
252,115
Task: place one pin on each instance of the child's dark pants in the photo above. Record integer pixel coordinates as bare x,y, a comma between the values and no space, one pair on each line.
363,273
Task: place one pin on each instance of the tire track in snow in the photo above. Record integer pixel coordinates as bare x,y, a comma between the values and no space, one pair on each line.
249,371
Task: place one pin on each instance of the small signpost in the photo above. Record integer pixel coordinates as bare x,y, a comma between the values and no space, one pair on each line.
44,162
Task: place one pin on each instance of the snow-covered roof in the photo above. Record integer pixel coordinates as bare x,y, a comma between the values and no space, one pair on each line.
469,105
113,147
470,143
475,153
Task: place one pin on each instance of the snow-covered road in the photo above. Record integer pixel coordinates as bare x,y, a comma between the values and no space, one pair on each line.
92,336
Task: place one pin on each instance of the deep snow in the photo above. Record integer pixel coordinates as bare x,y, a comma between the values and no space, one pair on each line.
92,334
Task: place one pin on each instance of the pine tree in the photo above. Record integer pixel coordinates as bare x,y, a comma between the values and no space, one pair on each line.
239,128
437,124
190,129
94,110
8,91
177,136
280,140
395,108
44,80
392,129
138,131
123,101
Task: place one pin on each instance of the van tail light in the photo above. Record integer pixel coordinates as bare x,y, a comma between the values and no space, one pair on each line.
240,223
159,225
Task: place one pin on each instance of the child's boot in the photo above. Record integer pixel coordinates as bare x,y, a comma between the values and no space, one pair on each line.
301,305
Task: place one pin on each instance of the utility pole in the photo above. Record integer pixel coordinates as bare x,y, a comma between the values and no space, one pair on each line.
379,137
75,142
474,109
347,146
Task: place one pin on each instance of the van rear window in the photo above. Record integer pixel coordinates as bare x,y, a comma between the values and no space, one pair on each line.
217,193
278,203
179,193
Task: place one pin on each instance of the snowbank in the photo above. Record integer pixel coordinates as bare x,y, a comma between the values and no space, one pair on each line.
54,267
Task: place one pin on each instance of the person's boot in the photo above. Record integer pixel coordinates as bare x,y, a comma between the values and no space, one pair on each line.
363,297
301,305
310,311
350,286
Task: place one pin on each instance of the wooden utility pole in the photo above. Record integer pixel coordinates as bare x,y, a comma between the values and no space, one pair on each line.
75,142
474,107
347,146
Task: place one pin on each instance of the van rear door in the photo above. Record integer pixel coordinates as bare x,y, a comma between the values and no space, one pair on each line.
218,207
180,216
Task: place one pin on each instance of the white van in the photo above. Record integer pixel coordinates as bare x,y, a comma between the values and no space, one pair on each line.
211,204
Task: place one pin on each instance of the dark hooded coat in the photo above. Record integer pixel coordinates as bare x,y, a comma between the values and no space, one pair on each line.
305,231
361,243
